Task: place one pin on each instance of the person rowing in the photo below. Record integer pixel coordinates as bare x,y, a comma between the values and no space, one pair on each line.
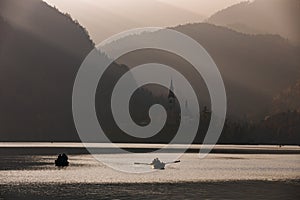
157,164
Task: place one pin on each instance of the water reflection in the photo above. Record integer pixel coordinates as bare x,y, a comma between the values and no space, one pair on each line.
85,169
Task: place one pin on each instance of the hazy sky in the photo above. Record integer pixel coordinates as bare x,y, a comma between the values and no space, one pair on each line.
103,18
204,7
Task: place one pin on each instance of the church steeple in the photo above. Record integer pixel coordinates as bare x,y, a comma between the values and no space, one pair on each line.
173,108
171,93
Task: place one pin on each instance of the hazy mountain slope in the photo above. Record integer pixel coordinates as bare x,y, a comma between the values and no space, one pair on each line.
107,17
263,16
254,68
41,51
39,61
45,23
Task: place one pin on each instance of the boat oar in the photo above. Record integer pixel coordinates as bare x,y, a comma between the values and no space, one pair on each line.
177,161
137,163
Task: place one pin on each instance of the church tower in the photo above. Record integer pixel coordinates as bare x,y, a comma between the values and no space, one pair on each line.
171,96
173,113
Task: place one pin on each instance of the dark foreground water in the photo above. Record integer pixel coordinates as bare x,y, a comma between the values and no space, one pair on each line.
183,190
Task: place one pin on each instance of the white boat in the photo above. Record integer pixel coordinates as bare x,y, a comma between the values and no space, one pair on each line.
157,164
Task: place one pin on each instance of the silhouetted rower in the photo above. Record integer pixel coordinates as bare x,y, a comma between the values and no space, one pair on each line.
62,160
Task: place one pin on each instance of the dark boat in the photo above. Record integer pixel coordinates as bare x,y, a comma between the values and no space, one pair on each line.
62,160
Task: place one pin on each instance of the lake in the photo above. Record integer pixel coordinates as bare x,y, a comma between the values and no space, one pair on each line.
219,175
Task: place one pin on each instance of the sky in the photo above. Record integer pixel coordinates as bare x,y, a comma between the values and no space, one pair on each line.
103,18
204,7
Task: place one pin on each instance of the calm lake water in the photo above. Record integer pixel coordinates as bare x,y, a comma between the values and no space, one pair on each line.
231,176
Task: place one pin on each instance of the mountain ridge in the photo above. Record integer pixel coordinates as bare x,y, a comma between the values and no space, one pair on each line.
262,17
254,67
36,75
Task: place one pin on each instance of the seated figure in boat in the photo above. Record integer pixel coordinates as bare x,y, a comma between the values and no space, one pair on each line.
62,160
157,164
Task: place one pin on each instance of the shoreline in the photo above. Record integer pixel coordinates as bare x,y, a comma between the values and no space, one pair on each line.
105,148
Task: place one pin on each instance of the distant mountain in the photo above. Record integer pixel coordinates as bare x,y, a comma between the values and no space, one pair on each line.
106,17
254,67
40,53
47,24
41,50
262,17
287,100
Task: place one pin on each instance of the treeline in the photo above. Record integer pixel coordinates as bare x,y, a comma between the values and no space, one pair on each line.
281,128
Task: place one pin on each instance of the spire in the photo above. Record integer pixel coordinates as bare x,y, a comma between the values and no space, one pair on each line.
171,93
